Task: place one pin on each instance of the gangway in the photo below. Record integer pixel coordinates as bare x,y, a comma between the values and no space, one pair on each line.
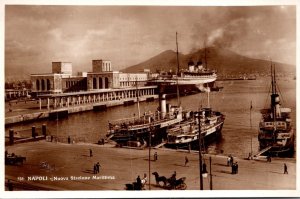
160,145
256,156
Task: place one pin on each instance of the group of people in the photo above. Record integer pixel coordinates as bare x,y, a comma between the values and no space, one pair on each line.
234,166
97,168
141,182
229,160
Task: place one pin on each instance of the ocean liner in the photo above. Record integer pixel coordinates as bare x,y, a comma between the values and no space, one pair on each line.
195,78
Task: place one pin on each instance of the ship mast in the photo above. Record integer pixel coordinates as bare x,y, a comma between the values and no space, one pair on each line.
273,100
205,60
178,97
137,97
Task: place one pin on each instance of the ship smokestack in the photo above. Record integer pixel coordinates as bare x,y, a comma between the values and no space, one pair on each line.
191,66
199,65
163,106
276,104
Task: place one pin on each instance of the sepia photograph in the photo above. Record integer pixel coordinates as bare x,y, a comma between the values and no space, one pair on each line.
141,99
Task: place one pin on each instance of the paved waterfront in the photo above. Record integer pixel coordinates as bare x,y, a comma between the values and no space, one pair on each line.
120,166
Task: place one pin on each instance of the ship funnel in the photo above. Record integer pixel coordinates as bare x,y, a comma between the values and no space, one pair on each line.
163,106
191,66
275,102
199,65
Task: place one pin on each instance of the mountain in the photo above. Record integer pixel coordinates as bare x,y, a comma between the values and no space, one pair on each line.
226,62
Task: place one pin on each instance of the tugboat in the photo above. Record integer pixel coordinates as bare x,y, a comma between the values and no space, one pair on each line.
186,134
275,128
136,131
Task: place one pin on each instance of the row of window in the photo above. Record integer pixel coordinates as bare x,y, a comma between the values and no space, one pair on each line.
133,78
277,123
43,85
100,83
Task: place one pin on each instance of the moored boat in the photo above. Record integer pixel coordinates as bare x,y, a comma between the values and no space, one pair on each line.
187,133
196,78
275,128
139,129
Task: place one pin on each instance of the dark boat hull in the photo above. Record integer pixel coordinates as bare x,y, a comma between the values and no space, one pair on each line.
194,145
158,134
278,151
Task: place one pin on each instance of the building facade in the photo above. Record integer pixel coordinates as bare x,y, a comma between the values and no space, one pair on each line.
102,77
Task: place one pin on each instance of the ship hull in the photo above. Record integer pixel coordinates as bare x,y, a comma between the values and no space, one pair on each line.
278,150
185,89
212,135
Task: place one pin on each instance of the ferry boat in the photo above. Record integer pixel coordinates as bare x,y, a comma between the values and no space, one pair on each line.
137,130
275,128
187,133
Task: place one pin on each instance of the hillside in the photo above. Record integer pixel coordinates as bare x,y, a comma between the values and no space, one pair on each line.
224,61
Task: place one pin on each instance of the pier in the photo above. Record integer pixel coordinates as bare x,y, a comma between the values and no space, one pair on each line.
59,104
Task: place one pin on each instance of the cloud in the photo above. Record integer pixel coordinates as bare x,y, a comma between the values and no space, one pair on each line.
127,35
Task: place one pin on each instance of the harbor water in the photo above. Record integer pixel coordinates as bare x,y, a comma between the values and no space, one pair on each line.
239,134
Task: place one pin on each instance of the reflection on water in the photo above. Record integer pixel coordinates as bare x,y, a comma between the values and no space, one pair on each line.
233,101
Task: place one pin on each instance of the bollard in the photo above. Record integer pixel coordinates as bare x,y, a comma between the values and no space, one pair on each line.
11,137
33,131
44,130
69,140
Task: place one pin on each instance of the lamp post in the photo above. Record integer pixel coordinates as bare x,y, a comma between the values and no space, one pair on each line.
251,155
200,155
149,151
210,184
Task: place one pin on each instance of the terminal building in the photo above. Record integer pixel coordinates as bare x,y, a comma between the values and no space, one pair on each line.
62,80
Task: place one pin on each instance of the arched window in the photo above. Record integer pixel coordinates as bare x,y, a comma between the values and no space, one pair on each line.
43,85
48,85
94,83
37,84
106,82
100,82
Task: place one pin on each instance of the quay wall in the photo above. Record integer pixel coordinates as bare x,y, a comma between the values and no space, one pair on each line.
71,109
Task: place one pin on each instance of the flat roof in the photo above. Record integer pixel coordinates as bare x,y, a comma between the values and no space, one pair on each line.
95,91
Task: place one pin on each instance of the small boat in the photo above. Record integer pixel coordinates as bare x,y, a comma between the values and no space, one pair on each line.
211,123
187,132
275,128
138,129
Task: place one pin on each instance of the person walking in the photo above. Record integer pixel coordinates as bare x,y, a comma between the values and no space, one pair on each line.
91,153
139,183
228,160
231,160
95,168
233,168
186,161
155,156
236,167
285,169
98,167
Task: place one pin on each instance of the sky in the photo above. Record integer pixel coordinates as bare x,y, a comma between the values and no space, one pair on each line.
37,35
